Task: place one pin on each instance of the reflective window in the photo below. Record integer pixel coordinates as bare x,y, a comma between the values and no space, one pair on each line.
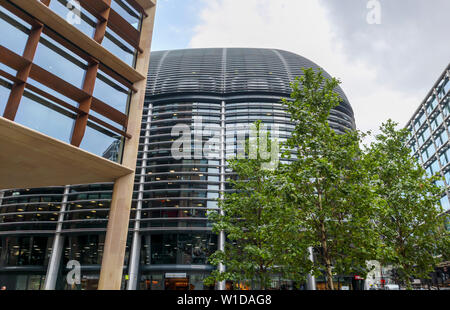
102,142
436,121
111,93
116,45
426,134
86,23
431,150
435,167
447,177
40,114
87,249
446,86
5,89
424,156
432,104
26,251
444,159
441,138
445,203
127,12
14,31
58,60
184,249
446,107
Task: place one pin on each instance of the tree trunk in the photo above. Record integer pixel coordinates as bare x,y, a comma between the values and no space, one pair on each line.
326,255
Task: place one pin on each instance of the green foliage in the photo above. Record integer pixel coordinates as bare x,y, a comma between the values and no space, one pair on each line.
261,230
350,204
409,214
328,182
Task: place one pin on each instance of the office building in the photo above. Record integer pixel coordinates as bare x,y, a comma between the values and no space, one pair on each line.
169,240
72,86
429,138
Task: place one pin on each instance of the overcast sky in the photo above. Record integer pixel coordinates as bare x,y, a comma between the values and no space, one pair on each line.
386,69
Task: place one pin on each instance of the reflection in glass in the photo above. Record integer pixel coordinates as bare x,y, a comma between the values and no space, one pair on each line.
60,61
127,12
5,89
40,114
99,141
86,23
14,32
111,93
184,249
119,48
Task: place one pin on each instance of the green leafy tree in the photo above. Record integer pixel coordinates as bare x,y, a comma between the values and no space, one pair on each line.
327,182
409,213
262,236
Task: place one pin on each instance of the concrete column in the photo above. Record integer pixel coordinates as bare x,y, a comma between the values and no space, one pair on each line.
57,247
221,241
119,215
311,280
136,243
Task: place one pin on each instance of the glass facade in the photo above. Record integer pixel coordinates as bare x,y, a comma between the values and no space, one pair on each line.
55,72
215,95
429,134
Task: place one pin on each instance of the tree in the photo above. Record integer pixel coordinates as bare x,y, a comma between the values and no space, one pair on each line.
262,236
408,210
327,182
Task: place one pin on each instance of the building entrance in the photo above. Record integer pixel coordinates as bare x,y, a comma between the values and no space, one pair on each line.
176,284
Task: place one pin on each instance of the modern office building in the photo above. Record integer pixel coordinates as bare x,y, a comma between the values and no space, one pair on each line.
72,86
217,91
429,142
429,128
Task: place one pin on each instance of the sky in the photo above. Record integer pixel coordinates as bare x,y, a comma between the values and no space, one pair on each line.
387,53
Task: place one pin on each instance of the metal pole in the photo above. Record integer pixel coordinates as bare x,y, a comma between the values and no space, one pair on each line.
221,241
311,280
136,244
57,248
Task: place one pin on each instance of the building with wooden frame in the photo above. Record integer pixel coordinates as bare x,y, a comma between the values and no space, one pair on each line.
72,83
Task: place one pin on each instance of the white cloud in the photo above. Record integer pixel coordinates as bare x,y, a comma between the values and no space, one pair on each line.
305,28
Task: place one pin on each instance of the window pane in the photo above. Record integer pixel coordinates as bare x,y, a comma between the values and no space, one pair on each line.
5,89
14,31
119,47
447,86
42,115
111,93
445,203
58,60
127,12
101,142
86,23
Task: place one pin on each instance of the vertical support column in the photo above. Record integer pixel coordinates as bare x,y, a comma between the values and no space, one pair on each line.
18,88
119,215
221,241
311,280
57,247
136,243
79,128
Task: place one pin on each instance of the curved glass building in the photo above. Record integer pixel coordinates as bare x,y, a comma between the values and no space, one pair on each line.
213,95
